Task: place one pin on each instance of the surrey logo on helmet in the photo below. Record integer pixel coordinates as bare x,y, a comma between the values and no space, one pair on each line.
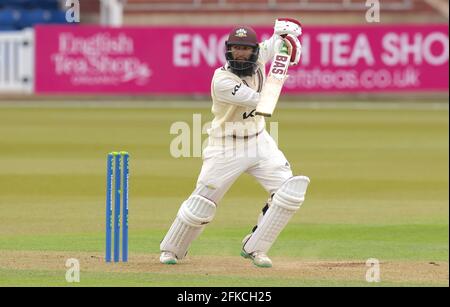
241,32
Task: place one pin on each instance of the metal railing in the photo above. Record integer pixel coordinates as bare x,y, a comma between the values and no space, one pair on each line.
17,61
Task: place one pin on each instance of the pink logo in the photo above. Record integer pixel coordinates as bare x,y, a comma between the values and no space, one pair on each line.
99,59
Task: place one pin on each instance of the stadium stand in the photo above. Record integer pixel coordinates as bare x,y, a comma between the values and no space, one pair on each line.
222,12
219,12
20,14
270,5
9,17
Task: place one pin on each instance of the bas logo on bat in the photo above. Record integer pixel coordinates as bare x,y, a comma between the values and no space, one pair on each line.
279,64
273,85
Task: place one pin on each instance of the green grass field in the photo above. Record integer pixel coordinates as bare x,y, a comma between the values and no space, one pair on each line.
379,189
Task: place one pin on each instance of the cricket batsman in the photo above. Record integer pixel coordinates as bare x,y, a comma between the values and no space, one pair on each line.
238,142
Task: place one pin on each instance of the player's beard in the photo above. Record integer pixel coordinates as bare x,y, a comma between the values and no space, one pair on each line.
242,68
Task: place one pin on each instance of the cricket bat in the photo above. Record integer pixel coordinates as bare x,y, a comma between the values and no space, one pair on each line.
274,83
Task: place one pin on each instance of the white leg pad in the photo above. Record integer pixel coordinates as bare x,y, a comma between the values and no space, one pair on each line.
286,201
194,214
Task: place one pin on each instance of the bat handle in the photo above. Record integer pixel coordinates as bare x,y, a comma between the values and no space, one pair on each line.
284,49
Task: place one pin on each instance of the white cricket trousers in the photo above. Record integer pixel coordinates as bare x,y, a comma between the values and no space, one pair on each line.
225,159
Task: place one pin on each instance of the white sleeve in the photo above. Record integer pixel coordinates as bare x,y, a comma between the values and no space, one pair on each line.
268,48
231,91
